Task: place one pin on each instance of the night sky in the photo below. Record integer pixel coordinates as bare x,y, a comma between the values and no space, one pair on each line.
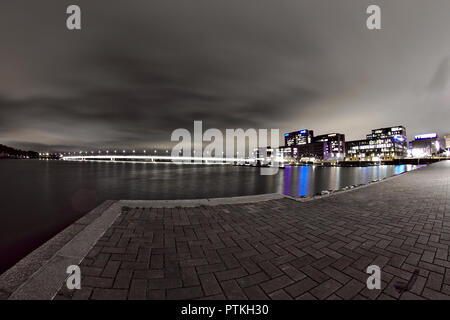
139,69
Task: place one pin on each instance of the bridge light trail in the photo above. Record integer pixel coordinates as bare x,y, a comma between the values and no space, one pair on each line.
167,158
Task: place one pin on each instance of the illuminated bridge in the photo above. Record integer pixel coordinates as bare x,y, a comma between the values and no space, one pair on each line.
158,158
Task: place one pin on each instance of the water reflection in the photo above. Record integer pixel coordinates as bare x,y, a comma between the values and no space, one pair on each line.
287,180
400,169
303,180
309,180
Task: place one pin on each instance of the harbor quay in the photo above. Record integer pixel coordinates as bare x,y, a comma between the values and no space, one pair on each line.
255,247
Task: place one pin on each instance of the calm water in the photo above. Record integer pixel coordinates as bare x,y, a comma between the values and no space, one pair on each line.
40,198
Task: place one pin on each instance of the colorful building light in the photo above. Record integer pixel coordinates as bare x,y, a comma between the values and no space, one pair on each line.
426,136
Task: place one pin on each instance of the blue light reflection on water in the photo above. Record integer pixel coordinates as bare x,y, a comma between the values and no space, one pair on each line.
400,169
308,180
303,180
287,180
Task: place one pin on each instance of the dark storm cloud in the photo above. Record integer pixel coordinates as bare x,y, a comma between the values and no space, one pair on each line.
140,69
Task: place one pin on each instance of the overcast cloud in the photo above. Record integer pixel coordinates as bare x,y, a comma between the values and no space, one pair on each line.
139,69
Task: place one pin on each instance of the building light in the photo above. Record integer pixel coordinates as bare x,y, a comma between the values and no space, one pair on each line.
426,136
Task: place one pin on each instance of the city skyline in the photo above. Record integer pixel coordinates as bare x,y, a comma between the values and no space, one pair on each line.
135,73
164,149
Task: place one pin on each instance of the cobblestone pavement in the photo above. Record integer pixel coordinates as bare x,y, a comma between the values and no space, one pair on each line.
282,249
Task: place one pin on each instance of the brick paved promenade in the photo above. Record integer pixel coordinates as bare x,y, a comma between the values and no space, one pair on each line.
282,249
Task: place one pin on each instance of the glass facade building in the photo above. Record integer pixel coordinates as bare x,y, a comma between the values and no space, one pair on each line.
298,138
303,146
333,145
382,144
447,141
425,145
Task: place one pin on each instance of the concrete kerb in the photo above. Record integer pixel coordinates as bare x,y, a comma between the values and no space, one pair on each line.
46,280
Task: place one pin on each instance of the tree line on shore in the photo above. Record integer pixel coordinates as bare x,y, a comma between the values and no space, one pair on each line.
12,153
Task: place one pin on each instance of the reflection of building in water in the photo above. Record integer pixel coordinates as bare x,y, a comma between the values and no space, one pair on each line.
303,146
425,145
382,144
303,181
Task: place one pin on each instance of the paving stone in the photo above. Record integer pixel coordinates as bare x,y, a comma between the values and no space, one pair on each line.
156,294
231,274
138,289
253,279
314,274
301,287
276,283
351,289
280,295
210,284
111,269
232,290
270,269
325,289
164,283
97,282
83,294
149,274
255,293
292,272
336,275
123,278
193,262
188,293
211,268
109,294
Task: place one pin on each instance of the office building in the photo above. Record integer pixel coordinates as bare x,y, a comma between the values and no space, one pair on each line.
303,146
298,138
425,145
382,144
333,145
447,142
